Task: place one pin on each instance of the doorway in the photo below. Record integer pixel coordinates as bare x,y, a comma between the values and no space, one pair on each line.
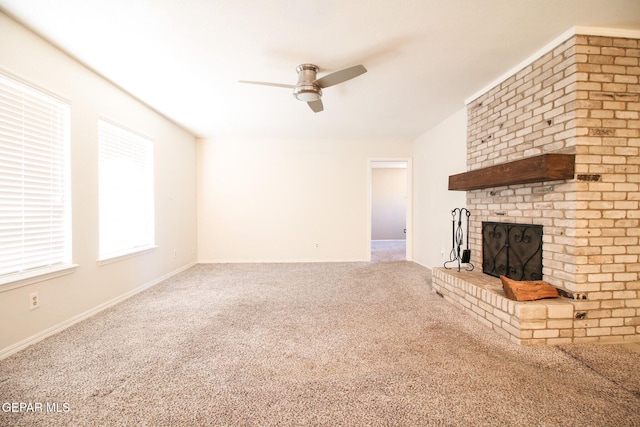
389,196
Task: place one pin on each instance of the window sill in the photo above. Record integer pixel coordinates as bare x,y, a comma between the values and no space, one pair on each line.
109,259
14,281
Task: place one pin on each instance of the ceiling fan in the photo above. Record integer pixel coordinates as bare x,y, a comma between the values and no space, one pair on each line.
309,88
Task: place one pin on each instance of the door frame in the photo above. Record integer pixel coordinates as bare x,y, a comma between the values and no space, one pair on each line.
409,207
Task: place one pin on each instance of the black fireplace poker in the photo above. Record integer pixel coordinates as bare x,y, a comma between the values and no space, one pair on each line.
458,235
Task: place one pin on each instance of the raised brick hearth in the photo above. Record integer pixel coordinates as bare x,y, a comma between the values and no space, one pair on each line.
548,321
581,97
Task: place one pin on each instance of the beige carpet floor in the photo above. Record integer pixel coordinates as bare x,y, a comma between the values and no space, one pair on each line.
340,344
388,250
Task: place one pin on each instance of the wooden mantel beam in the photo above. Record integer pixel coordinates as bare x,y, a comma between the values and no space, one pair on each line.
545,167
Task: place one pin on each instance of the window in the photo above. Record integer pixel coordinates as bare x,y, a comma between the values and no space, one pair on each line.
126,202
35,232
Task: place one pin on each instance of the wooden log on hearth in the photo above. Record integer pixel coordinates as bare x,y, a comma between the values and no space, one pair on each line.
527,290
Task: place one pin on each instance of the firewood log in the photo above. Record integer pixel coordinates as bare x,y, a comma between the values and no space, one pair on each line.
530,290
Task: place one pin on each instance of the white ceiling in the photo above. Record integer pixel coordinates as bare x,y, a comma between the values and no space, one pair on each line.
425,57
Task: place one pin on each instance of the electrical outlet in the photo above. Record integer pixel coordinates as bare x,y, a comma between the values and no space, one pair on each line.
34,301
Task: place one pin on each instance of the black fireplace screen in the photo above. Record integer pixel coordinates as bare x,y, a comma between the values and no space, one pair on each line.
512,250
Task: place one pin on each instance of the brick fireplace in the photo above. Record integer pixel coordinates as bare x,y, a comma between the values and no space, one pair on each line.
580,97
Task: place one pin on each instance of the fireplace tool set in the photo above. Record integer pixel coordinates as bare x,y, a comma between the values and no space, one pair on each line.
457,255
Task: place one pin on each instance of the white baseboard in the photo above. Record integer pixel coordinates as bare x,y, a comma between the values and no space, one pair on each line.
12,349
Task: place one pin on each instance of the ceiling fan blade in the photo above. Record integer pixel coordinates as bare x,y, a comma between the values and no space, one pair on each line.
340,76
267,84
316,105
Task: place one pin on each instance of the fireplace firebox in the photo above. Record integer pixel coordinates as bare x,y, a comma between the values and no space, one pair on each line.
512,250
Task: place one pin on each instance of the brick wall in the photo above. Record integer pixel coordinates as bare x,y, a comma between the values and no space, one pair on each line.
582,97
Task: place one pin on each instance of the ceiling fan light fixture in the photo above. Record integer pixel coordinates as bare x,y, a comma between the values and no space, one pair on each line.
307,96
307,92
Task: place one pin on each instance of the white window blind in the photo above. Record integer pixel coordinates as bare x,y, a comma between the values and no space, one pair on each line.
35,228
126,191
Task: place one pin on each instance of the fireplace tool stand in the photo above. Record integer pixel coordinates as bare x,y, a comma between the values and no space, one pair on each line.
456,256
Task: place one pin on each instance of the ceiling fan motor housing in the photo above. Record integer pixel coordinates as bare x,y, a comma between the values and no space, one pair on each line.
306,90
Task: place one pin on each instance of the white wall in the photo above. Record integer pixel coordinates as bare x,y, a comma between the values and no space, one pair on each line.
69,298
437,153
286,200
